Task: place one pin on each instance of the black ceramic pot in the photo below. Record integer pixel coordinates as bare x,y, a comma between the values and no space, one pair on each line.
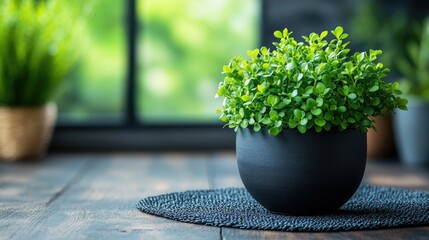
301,174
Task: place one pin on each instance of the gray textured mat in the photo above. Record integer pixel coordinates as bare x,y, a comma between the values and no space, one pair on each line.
372,207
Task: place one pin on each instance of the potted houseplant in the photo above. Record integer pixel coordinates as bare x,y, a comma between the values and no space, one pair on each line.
37,49
301,113
375,26
411,127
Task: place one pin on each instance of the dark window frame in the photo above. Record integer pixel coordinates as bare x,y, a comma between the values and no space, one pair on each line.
134,134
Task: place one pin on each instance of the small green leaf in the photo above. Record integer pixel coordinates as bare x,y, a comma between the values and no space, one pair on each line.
224,118
290,66
294,93
328,116
274,131
311,102
256,127
298,114
286,101
319,101
395,86
402,102
374,88
302,129
226,69
241,112
292,123
342,108
320,122
273,114
266,120
351,120
273,100
344,36
303,121
244,123
245,98
352,96
338,31
316,111
320,88
278,34
349,67
368,111
285,32
221,91
375,101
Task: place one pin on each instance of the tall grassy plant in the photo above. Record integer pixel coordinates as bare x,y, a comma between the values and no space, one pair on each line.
38,47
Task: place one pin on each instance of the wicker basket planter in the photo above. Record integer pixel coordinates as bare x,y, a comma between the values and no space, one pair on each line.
25,132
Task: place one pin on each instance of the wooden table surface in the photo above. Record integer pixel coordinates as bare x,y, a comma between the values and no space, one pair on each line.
94,197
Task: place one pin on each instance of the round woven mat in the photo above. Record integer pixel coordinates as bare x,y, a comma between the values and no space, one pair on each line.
372,207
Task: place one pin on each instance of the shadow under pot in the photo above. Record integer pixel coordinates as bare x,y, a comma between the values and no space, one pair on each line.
412,134
301,174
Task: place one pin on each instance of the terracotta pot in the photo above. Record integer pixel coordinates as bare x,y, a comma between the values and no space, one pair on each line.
25,132
381,144
301,174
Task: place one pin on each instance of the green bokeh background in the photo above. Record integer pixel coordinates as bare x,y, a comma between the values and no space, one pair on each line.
182,46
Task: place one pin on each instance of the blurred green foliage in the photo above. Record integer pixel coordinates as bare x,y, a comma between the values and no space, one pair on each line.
378,27
37,49
415,67
95,89
402,35
181,46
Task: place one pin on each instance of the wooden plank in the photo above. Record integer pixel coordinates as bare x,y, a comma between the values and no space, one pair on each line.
393,234
102,204
26,188
37,181
224,173
395,175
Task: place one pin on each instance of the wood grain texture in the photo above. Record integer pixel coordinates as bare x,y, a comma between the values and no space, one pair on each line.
27,189
392,234
395,175
94,197
102,204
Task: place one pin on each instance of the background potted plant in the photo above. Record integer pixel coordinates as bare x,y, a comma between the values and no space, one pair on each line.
37,49
301,113
411,127
375,26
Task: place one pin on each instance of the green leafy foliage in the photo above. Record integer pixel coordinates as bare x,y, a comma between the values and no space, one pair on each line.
38,47
415,68
314,84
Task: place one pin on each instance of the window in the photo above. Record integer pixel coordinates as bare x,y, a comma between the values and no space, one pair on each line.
149,74
180,47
